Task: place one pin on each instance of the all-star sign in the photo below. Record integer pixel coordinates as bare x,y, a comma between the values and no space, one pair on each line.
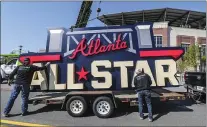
104,58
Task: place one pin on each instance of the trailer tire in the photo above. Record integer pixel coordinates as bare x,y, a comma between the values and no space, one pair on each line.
76,106
103,107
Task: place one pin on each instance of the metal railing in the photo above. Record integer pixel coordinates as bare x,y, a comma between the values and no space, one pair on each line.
180,78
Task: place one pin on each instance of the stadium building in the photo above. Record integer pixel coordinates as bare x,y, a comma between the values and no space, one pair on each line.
172,27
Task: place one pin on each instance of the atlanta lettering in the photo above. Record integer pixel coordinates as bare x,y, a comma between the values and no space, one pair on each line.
97,48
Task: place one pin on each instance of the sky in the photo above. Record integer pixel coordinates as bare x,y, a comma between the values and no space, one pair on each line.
26,23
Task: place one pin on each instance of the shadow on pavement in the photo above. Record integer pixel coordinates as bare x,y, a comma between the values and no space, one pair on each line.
48,108
176,106
159,109
13,115
57,107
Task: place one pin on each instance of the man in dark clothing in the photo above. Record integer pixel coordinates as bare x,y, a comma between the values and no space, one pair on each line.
142,82
24,74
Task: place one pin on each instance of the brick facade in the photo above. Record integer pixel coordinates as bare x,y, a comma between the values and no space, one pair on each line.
201,40
184,38
164,33
174,36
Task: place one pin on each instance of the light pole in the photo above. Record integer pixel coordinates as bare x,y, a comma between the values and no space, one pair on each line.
20,49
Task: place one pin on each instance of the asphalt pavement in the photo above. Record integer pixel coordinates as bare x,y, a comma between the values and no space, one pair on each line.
177,113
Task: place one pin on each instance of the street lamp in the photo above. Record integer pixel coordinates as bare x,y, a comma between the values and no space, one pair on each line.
20,49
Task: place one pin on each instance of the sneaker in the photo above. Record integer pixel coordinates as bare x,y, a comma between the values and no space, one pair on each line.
150,119
141,118
24,114
5,115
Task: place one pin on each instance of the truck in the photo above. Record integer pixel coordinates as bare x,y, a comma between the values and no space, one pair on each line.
94,67
195,83
8,63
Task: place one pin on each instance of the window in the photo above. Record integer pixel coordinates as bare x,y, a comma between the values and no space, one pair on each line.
12,62
185,46
158,41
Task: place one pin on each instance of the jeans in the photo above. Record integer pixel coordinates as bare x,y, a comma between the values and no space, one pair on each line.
145,94
25,89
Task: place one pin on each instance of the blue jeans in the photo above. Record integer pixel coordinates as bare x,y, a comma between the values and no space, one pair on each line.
25,89
145,94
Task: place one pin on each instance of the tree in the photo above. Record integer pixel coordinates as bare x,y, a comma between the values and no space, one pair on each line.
192,55
203,59
12,52
181,65
203,62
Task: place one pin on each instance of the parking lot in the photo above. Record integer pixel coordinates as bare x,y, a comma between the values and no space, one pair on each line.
177,113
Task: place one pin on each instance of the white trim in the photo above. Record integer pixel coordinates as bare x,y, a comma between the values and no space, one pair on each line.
160,24
185,43
100,31
188,28
203,44
158,35
56,31
143,27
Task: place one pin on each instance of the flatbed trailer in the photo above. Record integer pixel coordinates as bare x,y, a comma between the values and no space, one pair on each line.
76,100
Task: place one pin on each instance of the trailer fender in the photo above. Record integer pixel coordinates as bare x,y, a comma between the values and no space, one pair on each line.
88,96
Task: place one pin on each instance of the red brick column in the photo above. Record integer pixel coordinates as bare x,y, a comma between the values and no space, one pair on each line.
201,40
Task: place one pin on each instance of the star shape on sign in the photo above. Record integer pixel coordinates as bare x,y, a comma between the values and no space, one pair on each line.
82,74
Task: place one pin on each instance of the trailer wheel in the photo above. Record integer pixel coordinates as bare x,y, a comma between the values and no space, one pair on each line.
76,106
103,107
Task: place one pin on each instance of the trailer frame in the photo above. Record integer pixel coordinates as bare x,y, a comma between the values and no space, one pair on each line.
91,97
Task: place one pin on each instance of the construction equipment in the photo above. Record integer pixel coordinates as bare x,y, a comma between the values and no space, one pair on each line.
84,14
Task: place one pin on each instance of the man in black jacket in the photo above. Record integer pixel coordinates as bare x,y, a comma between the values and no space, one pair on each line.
142,82
24,74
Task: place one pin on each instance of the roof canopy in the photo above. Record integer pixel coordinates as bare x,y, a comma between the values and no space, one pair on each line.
175,17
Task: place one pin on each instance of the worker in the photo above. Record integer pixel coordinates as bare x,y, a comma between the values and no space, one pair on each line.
24,74
142,83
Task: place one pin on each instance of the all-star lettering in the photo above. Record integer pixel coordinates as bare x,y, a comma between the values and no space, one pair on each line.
122,65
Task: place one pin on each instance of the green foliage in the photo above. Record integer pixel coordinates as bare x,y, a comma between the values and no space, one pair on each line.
181,65
12,52
7,57
10,55
192,56
203,59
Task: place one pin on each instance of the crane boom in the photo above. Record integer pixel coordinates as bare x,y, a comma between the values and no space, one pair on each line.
84,14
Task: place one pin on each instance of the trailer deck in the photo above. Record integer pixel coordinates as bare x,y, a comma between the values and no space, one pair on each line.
123,96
